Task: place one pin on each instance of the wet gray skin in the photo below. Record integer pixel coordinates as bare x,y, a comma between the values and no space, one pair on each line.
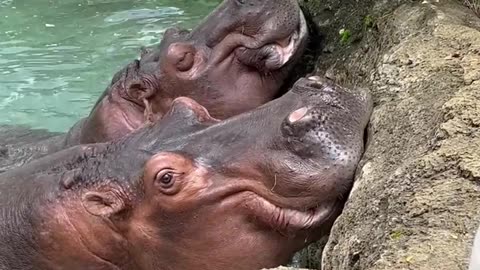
191,192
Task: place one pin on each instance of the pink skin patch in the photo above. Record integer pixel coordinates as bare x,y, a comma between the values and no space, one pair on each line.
297,115
286,52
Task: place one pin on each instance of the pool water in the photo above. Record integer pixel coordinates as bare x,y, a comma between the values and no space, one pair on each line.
58,56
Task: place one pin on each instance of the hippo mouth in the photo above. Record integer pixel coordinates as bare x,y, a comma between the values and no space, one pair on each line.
265,55
289,46
277,212
284,219
273,55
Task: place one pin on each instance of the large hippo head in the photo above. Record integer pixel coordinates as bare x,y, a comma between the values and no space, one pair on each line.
192,192
235,60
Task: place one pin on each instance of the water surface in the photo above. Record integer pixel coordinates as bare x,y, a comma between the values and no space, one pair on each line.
57,56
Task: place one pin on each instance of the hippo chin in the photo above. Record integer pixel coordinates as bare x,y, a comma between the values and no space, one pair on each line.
190,192
236,60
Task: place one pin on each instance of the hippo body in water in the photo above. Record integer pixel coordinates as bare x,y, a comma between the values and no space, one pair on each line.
191,192
237,59
20,145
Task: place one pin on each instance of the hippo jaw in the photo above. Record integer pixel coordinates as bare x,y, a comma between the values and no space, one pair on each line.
289,220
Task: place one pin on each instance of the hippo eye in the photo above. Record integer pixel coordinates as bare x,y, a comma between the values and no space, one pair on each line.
241,2
165,179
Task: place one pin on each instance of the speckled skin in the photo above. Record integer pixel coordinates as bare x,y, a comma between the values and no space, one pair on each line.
276,176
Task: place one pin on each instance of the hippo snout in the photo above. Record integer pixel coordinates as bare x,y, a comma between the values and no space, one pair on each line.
329,124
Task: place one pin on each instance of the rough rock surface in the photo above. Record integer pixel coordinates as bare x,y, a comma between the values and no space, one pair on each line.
415,203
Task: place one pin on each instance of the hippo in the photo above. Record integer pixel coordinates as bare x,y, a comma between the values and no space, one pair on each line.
191,191
237,59
21,144
234,61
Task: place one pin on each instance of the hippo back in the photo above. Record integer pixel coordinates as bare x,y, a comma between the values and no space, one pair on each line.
20,145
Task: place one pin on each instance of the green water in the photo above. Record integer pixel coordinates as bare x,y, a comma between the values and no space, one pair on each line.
57,56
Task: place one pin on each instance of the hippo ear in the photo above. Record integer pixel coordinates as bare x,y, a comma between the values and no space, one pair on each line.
103,203
141,92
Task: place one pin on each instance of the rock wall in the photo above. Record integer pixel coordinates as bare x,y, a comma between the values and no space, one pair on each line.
415,202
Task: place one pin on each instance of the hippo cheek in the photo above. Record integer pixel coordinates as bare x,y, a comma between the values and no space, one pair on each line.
230,88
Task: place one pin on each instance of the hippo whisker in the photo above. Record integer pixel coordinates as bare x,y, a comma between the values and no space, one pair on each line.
274,183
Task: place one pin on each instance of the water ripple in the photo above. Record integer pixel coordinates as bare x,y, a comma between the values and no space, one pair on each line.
56,57
143,15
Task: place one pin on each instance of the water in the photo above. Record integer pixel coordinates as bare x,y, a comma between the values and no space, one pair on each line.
57,56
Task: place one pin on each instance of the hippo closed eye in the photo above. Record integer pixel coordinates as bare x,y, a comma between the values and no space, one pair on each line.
191,192
235,60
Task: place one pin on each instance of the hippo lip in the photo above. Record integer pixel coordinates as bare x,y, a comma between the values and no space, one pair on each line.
288,219
275,212
288,47
285,47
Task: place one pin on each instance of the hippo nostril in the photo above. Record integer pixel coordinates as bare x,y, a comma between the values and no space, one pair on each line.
298,123
182,56
186,62
298,114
